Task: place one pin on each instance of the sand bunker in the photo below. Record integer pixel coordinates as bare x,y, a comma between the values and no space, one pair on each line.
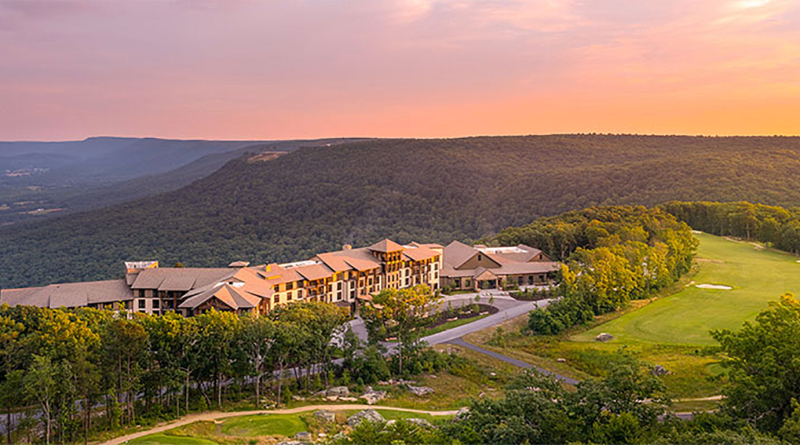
713,286
696,231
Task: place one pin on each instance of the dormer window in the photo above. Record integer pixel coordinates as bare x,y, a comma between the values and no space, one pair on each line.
480,257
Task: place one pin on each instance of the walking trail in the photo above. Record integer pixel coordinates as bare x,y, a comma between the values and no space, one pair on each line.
215,415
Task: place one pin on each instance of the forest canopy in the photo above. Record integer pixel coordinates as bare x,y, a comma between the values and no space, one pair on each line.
433,190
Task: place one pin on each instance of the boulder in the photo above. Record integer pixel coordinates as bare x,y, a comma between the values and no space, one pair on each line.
338,391
289,442
420,390
325,415
304,436
603,337
331,398
348,399
561,360
420,422
367,414
372,397
659,370
391,422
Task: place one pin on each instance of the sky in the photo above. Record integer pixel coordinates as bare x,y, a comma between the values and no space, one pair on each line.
281,69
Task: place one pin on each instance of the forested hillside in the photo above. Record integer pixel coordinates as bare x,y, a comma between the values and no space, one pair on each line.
316,199
44,179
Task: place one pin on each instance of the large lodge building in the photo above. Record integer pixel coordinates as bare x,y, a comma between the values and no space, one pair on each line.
343,278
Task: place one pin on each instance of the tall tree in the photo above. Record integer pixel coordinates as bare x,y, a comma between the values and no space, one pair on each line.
399,313
763,359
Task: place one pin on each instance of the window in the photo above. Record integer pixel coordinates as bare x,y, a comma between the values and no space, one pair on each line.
338,296
299,294
406,281
289,286
480,257
276,299
141,304
155,304
288,296
466,283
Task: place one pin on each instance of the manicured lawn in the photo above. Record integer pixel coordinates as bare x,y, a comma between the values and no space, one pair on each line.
757,276
672,331
264,425
164,439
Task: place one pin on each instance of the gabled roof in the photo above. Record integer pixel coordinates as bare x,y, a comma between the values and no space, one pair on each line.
315,272
68,294
484,274
457,253
336,263
385,245
419,253
178,278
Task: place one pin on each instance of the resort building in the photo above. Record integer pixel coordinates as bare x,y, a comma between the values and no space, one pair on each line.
481,267
342,277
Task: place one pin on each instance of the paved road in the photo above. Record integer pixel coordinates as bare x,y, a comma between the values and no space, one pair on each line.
211,416
513,310
512,361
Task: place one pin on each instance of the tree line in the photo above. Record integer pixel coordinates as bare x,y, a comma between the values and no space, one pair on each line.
65,364
776,226
611,254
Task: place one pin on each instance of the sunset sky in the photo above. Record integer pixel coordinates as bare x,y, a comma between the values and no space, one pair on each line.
247,69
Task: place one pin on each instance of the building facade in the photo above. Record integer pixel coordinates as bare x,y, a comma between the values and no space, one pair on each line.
480,267
342,277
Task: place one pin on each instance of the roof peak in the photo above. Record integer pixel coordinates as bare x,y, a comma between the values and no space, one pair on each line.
385,245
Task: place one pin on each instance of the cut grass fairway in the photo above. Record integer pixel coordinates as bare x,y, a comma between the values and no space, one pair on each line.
674,330
756,275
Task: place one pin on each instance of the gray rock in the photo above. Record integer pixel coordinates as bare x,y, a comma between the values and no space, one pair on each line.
390,422
659,370
372,397
289,442
338,391
420,422
305,436
367,414
561,360
603,337
462,413
420,390
325,415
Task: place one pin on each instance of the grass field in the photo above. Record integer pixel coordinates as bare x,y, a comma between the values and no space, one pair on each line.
756,275
672,330
262,428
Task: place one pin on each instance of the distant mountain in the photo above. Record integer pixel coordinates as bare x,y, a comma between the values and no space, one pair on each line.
44,179
317,198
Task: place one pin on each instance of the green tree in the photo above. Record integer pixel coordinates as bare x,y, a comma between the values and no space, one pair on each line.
40,387
399,313
763,359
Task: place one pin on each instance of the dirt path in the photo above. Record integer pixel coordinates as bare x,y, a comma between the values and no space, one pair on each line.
215,415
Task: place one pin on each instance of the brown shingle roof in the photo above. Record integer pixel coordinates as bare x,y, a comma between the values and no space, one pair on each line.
68,294
179,279
419,253
385,245
314,272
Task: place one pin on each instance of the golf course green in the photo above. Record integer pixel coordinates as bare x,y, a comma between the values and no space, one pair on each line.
754,274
